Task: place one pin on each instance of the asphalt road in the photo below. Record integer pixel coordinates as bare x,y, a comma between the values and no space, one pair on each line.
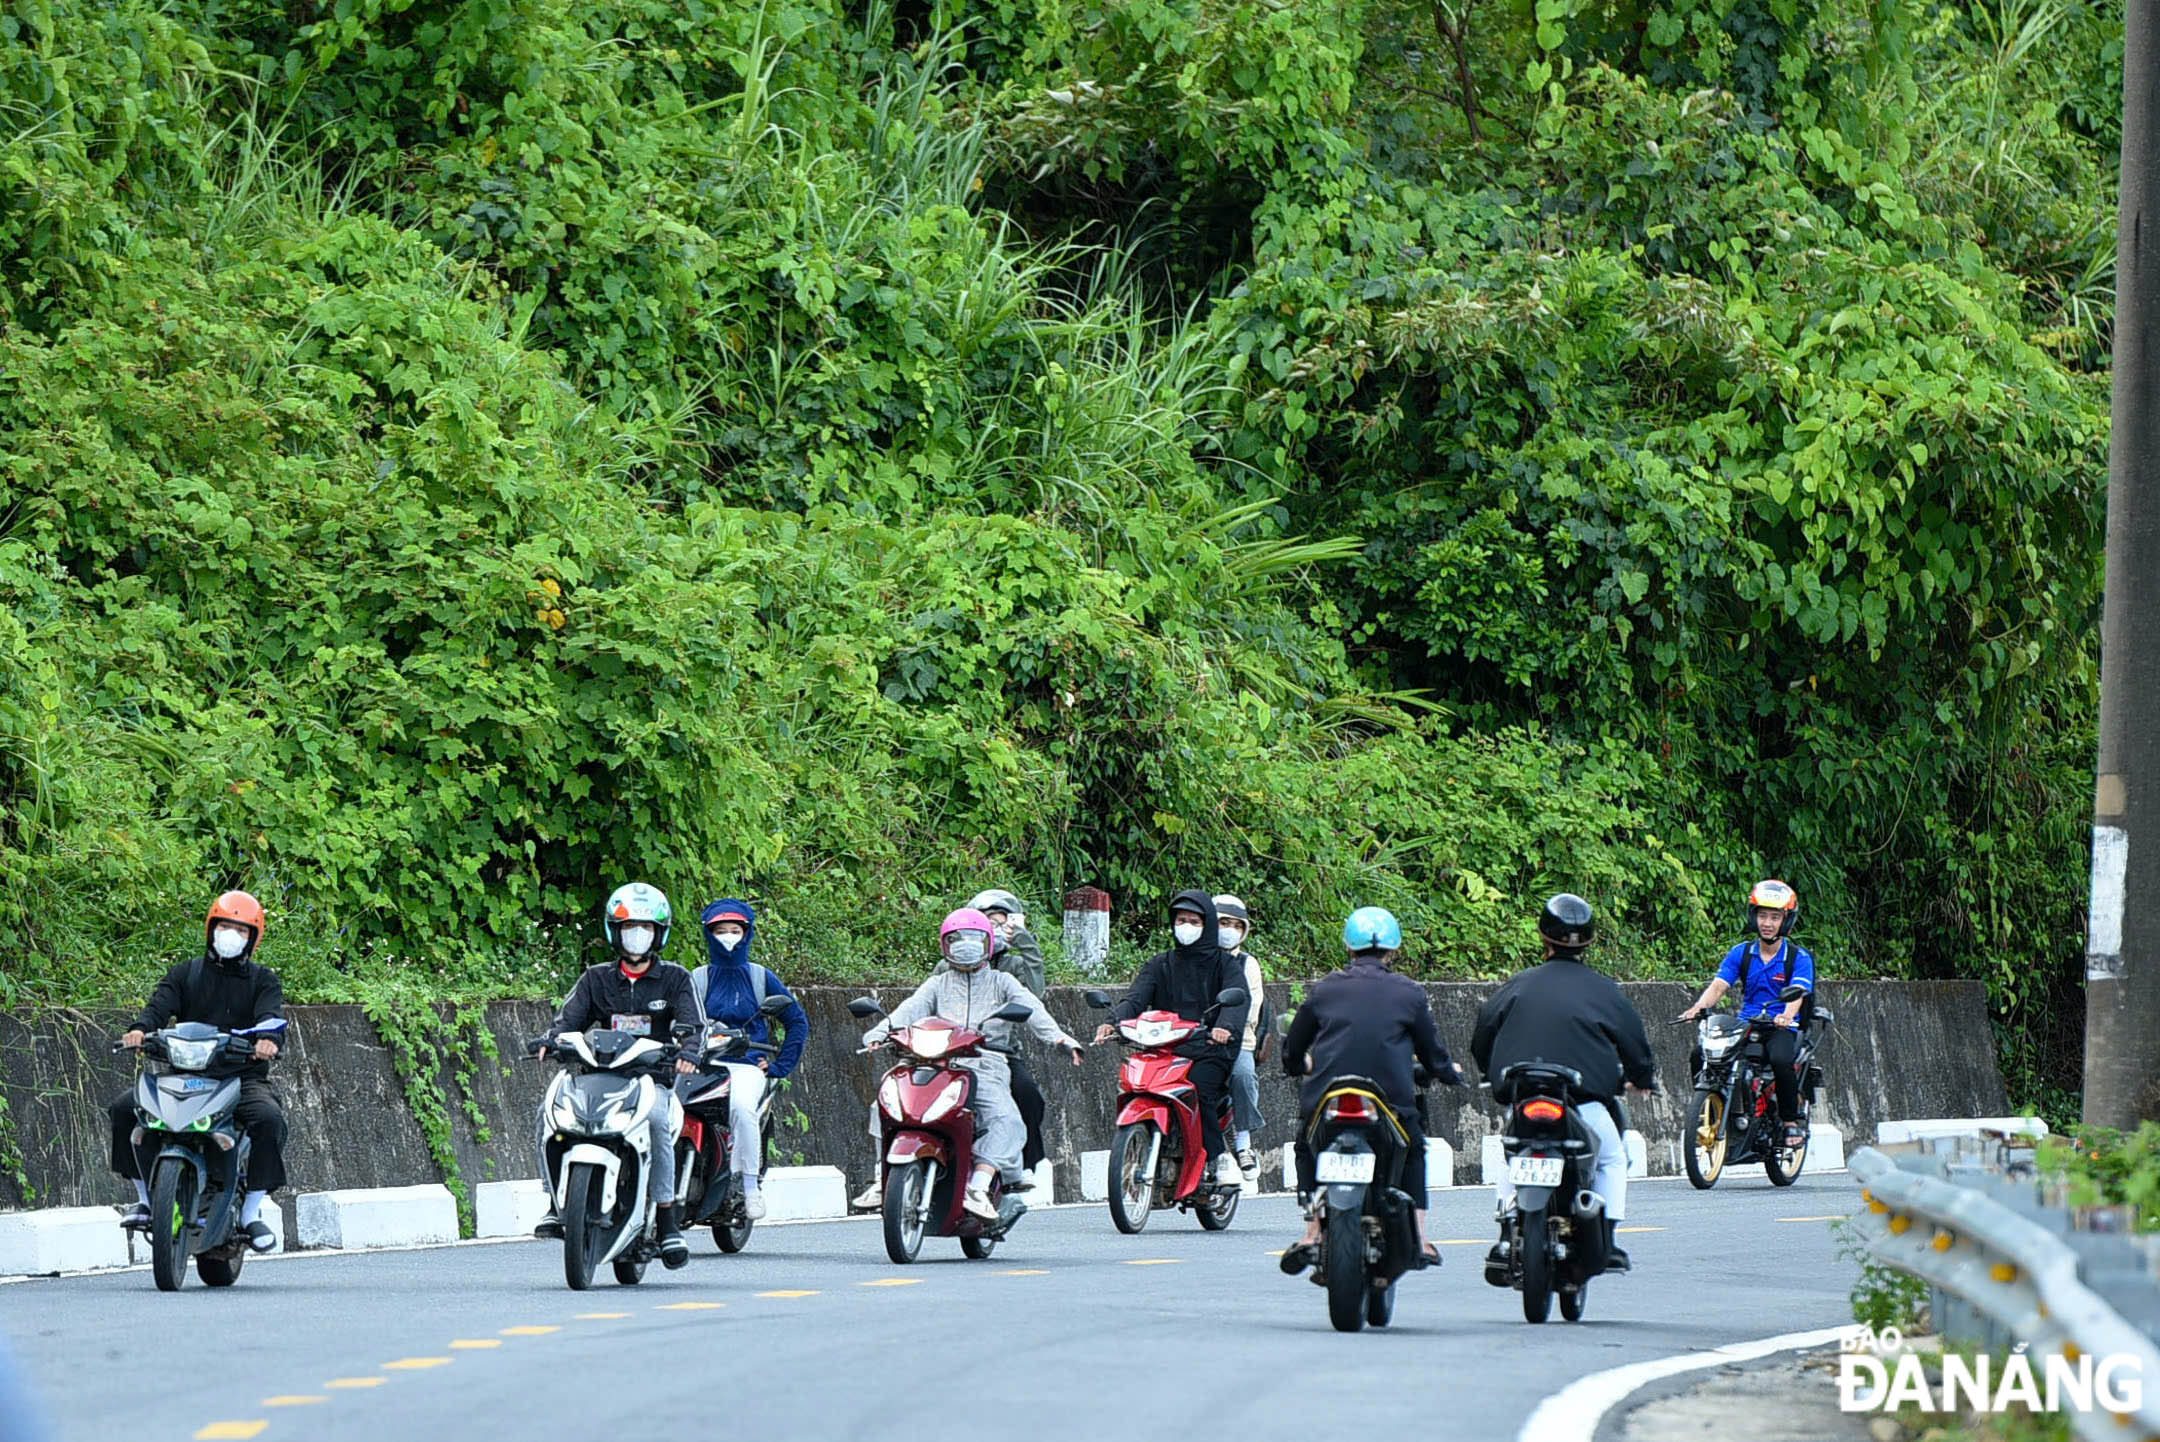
1069,1331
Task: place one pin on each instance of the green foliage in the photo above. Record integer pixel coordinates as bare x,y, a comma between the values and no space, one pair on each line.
2109,1168
1882,1295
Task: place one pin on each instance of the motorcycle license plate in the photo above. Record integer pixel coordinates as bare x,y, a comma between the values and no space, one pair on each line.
1344,1166
1535,1171
632,1023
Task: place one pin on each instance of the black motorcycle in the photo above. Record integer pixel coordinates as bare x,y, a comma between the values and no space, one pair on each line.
705,1179
1553,1239
185,1101
1368,1234
1734,1116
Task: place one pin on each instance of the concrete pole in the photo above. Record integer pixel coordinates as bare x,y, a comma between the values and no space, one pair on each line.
2122,950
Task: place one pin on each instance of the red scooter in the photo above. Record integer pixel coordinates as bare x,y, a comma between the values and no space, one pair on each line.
927,1137
1156,1157
705,1152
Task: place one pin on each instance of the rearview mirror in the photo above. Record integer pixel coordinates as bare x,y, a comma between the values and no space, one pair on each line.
778,1005
865,1006
1013,1011
1098,999
1232,996
1792,993
684,1030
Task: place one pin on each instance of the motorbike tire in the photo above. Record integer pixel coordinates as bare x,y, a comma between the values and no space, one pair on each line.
1536,1244
732,1236
1216,1212
1572,1303
1706,1165
629,1273
1775,1162
1128,1152
978,1249
1345,1263
220,1271
1380,1305
580,1223
172,1211
905,1209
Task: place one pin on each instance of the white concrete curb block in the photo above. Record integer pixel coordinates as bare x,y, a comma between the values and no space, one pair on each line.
1492,1161
1095,1176
1439,1164
794,1194
377,1217
1045,1179
1920,1130
61,1239
1825,1148
508,1209
1638,1153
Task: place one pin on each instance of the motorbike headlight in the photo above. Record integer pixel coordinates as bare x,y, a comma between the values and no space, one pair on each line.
563,1114
946,1099
191,1055
888,1097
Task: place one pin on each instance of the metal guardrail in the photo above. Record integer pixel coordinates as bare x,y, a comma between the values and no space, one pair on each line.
2010,1270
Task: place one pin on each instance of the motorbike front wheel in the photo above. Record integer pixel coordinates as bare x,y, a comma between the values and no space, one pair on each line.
172,1210
907,1210
1536,1244
1132,1195
1706,1139
581,1224
1345,1263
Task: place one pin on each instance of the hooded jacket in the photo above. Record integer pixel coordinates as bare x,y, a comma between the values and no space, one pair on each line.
967,998
728,989
1187,979
231,996
1568,1014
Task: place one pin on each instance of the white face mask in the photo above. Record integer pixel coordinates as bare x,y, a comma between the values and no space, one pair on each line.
967,952
1229,938
229,941
728,940
637,938
1186,932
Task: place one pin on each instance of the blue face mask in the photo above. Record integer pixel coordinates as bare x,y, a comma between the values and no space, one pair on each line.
967,952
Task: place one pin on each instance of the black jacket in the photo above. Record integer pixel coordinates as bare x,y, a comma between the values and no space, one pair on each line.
1186,980
203,990
661,997
1571,1015
1365,1021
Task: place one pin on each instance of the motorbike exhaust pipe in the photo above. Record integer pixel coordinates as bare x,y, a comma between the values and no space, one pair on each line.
1589,1206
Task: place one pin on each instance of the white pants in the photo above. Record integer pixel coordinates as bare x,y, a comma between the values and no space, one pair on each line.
746,1088
1608,1169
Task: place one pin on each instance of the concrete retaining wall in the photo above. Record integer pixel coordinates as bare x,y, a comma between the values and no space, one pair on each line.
1899,1049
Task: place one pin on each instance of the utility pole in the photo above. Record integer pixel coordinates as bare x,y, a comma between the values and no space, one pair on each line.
2122,948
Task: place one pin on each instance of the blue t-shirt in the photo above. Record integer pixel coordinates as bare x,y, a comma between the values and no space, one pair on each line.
1767,978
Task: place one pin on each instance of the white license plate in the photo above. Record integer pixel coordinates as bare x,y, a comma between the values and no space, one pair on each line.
1535,1171
1345,1166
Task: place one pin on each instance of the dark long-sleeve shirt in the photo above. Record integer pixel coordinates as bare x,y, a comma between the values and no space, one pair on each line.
1566,1014
648,1005
203,990
1365,1021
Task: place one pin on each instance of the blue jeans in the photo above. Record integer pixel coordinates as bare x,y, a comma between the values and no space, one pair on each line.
1245,1093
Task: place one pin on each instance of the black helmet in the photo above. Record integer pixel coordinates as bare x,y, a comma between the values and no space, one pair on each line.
1567,924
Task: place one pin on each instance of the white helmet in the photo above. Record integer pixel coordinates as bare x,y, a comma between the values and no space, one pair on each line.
637,902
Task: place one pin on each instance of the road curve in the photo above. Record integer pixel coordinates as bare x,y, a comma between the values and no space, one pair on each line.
1069,1331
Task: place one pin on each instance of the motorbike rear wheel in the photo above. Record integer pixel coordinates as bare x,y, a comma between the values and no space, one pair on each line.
1706,1158
1536,1244
907,1209
1132,1196
581,1223
1345,1263
978,1248
1380,1305
1783,1165
172,1211
221,1270
629,1273
1571,1303
1219,1207
731,1230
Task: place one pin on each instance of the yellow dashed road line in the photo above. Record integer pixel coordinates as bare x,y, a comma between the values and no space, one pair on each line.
345,1383
474,1344
787,1294
893,1282
1025,1272
415,1364
296,1400
601,1316
1638,1229
689,1306
230,1429
528,1331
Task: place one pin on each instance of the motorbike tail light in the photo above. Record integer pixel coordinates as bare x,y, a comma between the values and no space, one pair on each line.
1350,1107
1543,1109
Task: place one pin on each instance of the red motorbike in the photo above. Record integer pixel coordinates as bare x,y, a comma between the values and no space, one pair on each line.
705,1152
927,1136
1156,1156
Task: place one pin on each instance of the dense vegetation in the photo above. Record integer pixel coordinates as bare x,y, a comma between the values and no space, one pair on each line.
460,454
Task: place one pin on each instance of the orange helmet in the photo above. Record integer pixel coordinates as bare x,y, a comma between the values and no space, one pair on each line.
1775,896
239,908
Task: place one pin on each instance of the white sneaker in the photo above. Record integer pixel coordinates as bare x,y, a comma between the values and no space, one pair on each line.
870,1198
1227,1172
977,1202
753,1205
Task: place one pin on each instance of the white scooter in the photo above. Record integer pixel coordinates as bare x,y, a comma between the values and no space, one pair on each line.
598,1146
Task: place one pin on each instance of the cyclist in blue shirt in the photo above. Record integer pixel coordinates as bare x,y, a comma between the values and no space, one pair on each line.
1762,968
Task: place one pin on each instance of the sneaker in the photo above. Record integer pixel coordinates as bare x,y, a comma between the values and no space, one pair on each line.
1297,1257
549,1227
753,1205
1248,1160
260,1237
977,1203
869,1199
137,1218
1227,1171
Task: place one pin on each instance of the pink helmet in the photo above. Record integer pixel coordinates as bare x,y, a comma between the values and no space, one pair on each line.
966,919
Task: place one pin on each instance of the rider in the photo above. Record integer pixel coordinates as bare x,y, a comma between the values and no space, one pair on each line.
965,991
1234,926
731,988
1186,980
1565,1013
226,988
635,992
1366,1021
1770,962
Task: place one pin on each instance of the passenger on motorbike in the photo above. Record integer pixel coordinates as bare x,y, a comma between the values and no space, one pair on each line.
1234,925
1015,952
1763,967
227,988
633,992
1368,1021
966,991
1186,979
732,988
1566,1014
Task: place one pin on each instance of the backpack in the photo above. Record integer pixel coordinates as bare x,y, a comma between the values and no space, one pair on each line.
1264,1036
760,985
1792,955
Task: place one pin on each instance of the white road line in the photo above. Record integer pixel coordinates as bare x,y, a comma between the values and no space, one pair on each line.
1573,1413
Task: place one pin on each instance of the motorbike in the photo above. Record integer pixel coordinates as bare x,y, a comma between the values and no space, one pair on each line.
597,1150
927,1137
1552,1240
1156,1155
185,1099
705,1181
1368,1234
1734,1116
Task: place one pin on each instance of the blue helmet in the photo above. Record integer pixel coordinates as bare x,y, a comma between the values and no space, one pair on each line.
1370,927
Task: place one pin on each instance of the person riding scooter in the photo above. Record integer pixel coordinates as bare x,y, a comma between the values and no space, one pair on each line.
1364,1020
732,988
635,992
